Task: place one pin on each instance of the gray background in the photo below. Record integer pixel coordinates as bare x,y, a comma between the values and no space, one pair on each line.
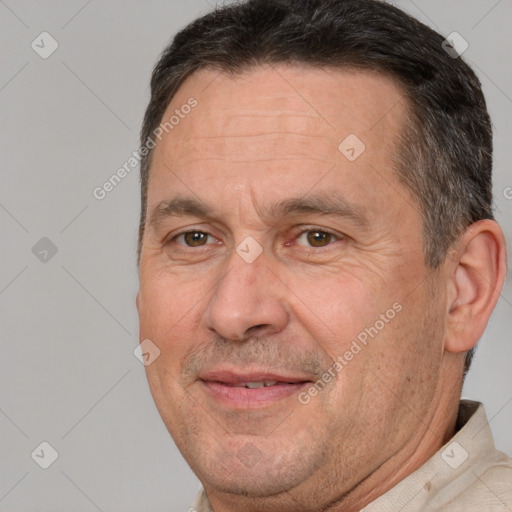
68,325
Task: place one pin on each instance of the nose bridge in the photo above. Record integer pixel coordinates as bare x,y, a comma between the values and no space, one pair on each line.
240,278
245,299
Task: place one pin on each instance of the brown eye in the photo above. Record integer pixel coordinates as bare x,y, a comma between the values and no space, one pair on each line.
318,238
194,238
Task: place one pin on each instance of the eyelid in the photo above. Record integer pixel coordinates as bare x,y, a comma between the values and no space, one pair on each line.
299,230
188,229
304,229
175,239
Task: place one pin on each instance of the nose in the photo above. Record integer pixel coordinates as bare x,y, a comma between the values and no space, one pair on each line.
247,301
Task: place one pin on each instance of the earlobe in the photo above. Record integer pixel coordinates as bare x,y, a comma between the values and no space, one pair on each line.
476,281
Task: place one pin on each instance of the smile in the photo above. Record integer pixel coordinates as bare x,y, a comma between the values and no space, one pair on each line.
250,391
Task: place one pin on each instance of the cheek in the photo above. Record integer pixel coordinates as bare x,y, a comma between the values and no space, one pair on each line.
169,317
372,326
339,304
166,301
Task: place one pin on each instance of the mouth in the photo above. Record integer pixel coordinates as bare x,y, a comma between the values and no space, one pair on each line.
254,384
251,390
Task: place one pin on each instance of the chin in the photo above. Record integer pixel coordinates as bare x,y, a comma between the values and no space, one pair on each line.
248,483
251,467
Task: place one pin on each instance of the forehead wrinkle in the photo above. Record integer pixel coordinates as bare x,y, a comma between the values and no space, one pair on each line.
255,148
238,112
251,161
273,142
266,121
255,135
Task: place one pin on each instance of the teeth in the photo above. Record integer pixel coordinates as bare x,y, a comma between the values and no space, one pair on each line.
261,384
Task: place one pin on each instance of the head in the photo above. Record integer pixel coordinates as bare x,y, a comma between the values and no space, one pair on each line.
316,212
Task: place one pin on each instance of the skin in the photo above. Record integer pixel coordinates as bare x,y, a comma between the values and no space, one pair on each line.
253,142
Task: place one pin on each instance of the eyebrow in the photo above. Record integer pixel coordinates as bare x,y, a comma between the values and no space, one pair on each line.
179,207
333,205
330,205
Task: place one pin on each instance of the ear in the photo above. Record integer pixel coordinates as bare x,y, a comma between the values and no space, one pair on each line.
476,276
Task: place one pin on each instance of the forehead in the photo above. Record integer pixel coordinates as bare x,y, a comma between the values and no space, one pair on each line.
285,121
362,98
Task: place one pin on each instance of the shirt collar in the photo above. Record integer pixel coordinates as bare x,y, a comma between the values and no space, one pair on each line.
429,484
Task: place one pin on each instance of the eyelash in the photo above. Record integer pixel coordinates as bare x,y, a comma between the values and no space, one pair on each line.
303,230
183,233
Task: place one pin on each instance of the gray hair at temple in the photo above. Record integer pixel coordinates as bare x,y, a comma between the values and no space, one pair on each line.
444,157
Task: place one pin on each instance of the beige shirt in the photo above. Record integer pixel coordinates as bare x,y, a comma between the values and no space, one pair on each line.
467,474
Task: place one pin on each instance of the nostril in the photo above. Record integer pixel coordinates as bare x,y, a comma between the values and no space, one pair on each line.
258,330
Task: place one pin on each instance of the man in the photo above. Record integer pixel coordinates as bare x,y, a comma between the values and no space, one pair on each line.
318,258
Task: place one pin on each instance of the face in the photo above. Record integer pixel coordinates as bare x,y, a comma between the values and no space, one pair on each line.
282,277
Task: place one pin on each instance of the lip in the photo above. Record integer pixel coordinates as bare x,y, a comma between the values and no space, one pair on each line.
224,387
